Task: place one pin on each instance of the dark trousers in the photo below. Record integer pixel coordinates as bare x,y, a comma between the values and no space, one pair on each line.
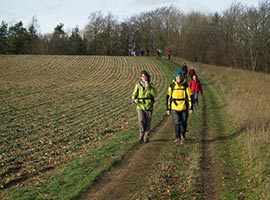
180,122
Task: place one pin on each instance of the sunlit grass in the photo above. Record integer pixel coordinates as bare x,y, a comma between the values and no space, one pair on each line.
247,95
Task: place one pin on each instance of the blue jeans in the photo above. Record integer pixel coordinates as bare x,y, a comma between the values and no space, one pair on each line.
180,122
195,100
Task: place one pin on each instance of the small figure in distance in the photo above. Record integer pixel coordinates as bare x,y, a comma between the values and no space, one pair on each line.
191,72
196,87
147,52
185,70
169,53
142,52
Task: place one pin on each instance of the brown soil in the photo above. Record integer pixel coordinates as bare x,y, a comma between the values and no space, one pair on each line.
125,178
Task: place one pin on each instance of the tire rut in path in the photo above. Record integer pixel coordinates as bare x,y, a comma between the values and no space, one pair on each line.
127,178
207,165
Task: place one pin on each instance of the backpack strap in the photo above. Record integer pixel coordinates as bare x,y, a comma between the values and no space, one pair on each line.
145,98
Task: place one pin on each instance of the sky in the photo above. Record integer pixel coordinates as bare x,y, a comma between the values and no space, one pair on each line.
72,13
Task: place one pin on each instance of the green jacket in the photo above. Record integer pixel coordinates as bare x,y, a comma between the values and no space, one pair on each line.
145,97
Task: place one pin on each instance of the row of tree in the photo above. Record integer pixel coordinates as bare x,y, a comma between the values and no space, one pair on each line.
238,37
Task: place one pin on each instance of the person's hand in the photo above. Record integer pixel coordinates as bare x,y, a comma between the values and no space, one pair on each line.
146,84
168,112
190,111
136,101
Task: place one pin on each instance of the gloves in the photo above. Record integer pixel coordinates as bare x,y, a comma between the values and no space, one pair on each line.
136,101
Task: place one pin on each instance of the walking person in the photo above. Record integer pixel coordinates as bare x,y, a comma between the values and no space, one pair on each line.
143,96
142,52
185,70
179,105
169,53
196,87
147,52
159,53
191,72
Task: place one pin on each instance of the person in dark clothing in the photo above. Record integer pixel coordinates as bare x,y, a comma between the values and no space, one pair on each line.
142,52
169,53
147,52
191,73
185,70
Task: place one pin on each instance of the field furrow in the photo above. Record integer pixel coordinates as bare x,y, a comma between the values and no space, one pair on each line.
54,107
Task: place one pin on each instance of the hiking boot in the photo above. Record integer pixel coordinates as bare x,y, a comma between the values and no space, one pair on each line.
141,137
183,136
146,139
177,140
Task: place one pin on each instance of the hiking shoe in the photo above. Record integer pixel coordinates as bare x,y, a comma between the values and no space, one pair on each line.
146,139
183,136
177,140
141,137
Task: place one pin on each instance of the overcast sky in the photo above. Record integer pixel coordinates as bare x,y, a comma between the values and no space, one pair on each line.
72,13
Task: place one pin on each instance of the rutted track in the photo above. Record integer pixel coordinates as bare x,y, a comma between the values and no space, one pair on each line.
211,172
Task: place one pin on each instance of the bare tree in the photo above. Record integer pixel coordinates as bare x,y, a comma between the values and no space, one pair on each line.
232,39
264,42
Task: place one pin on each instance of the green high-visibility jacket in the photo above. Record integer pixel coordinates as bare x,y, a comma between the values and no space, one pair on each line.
145,96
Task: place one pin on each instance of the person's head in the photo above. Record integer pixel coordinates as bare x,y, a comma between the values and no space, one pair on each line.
194,77
145,76
178,76
185,64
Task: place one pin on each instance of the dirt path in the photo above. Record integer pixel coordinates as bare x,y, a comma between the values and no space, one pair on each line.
125,178
208,165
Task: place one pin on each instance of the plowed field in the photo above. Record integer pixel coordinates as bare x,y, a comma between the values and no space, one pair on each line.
53,107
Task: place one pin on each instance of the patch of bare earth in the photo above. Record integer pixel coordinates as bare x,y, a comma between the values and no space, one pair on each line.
126,178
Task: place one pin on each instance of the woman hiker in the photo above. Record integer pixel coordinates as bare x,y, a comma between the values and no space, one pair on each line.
143,96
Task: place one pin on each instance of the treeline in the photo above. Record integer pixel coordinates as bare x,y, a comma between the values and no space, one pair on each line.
238,37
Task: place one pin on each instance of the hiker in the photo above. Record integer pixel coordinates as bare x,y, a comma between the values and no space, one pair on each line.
195,87
184,70
159,53
169,53
191,72
143,96
142,52
179,105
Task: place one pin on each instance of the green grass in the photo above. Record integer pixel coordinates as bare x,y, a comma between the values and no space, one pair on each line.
243,177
